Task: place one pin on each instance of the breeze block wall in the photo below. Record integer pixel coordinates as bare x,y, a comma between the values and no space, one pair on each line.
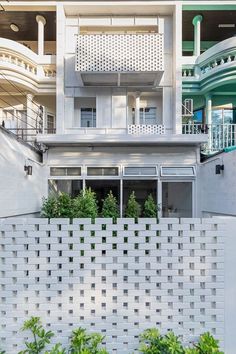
117,279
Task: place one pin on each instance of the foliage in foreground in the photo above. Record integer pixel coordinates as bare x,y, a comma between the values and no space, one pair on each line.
152,342
82,342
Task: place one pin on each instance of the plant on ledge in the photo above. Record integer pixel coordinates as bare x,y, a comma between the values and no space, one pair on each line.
110,207
133,209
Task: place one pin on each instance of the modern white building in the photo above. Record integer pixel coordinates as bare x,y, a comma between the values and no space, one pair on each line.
120,95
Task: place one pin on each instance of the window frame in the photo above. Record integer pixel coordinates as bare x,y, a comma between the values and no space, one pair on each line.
94,114
179,175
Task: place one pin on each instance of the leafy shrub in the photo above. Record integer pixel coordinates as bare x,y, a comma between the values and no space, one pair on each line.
150,208
64,206
57,206
40,337
208,344
49,208
155,343
84,343
85,205
133,208
57,349
110,207
152,342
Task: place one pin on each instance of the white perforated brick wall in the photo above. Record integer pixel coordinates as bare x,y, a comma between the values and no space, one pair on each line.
117,279
120,53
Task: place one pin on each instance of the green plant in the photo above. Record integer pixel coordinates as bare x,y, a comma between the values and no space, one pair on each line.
110,207
152,342
49,207
84,343
57,349
207,344
150,208
133,208
2,351
59,206
40,337
64,206
85,205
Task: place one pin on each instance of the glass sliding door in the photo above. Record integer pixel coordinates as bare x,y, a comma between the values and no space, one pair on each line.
177,199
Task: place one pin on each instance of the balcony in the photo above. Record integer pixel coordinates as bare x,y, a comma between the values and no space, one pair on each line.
20,64
120,59
220,136
211,69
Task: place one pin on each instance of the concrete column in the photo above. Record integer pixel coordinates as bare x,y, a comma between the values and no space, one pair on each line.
30,119
197,34
209,118
137,108
208,109
41,23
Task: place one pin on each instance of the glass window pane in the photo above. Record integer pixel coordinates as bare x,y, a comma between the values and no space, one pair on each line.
177,199
71,187
148,115
65,171
217,116
88,117
73,171
102,171
177,171
58,171
140,171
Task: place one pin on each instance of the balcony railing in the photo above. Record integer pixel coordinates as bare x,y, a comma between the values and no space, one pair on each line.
220,136
23,61
218,58
146,129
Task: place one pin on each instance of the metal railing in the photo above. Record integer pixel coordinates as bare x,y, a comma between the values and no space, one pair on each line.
220,136
29,134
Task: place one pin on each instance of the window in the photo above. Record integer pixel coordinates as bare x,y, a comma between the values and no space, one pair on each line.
88,117
102,171
140,171
65,171
50,124
147,115
198,115
178,171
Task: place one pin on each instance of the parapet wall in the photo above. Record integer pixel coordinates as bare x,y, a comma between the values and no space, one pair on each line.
117,279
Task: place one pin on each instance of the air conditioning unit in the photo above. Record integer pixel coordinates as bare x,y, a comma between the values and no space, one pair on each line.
187,107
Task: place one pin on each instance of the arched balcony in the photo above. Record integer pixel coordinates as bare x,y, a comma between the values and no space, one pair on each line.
21,65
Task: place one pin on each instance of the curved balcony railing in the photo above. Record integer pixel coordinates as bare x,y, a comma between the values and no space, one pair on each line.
218,58
220,136
18,58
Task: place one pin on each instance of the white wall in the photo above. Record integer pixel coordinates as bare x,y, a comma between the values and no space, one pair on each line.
192,261
19,193
218,192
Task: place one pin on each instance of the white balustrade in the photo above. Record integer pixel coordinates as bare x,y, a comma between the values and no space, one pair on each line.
221,136
146,129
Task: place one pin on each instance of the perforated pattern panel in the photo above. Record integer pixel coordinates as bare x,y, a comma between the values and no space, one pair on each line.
144,129
117,279
120,53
